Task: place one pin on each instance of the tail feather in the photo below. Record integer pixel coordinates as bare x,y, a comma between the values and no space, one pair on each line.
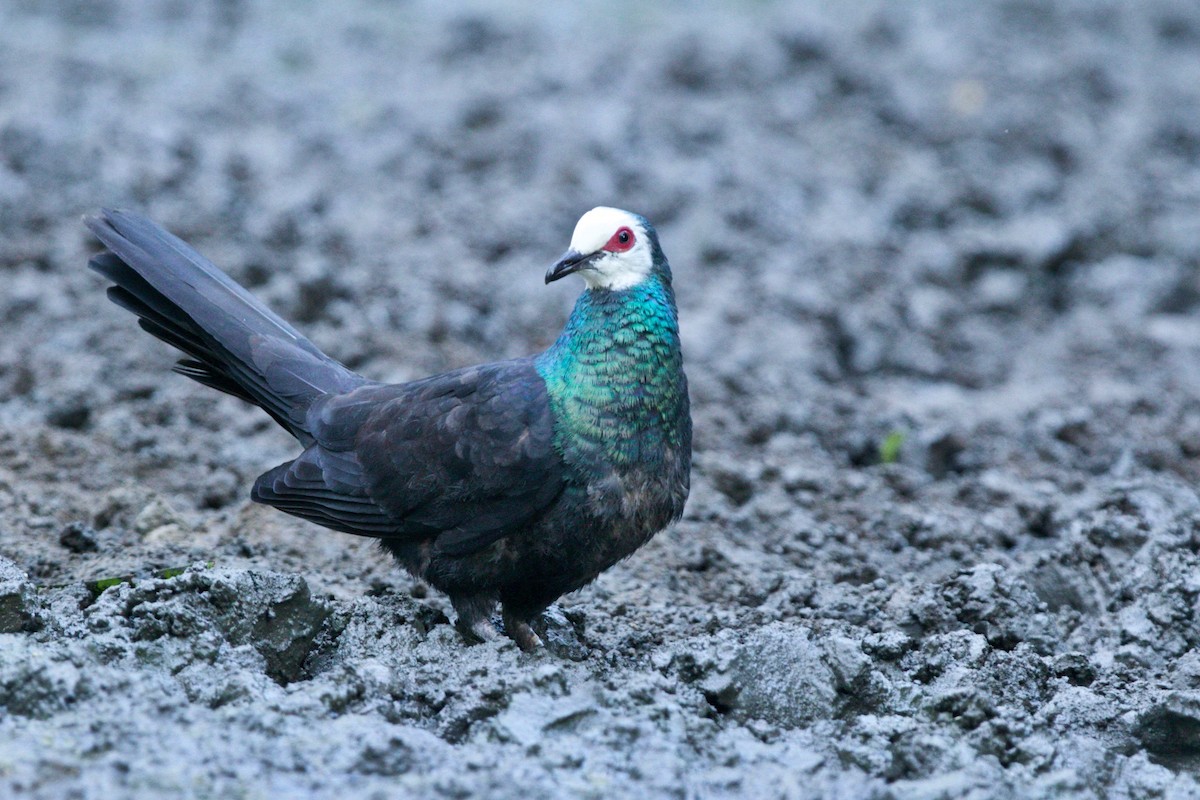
190,368
234,343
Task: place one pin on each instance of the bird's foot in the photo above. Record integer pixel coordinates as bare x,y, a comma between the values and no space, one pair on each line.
473,618
519,631
481,630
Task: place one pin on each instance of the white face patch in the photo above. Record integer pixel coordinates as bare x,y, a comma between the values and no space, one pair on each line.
614,271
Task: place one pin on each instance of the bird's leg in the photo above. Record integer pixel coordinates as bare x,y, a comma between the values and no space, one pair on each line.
474,613
519,631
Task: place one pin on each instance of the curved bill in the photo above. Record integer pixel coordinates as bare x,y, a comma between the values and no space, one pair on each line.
571,261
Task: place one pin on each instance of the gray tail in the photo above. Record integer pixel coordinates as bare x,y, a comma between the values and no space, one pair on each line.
232,341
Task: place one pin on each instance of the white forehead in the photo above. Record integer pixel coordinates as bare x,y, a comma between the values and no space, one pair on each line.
597,226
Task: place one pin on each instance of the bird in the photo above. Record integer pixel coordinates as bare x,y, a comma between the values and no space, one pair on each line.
503,485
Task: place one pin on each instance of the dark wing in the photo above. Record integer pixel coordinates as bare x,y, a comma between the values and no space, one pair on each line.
463,458
326,487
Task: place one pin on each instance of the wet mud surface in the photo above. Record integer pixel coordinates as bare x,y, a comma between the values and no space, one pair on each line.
939,274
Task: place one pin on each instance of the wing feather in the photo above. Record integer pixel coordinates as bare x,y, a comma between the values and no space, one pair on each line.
465,458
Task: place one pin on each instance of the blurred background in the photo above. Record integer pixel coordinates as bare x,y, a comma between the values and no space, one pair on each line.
937,265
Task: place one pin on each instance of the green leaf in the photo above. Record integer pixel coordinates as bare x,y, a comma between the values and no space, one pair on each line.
107,583
889,448
98,586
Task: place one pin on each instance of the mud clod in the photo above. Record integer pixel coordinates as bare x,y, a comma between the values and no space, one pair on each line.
18,600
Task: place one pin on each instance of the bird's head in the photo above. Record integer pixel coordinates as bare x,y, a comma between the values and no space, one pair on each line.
611,249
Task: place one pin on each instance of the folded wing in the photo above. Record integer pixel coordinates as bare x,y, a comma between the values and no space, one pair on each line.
462,458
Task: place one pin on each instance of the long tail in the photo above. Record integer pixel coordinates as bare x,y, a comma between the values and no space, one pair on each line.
233,342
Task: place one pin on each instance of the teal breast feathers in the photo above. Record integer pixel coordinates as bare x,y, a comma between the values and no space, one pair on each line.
615,378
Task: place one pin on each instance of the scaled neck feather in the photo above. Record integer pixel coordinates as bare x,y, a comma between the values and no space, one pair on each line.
615,377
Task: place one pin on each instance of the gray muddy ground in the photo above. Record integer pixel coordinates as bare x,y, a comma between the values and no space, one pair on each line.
939,272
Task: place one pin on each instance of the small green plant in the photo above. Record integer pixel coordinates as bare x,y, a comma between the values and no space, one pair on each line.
98,586
889,448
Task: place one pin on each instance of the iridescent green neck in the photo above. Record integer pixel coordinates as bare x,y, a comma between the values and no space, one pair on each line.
615,377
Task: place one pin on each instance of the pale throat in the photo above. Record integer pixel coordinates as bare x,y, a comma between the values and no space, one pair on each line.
615,276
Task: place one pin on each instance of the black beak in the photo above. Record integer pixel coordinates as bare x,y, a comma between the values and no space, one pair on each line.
571,261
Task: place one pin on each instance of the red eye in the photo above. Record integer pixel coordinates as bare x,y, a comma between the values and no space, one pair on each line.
621,241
